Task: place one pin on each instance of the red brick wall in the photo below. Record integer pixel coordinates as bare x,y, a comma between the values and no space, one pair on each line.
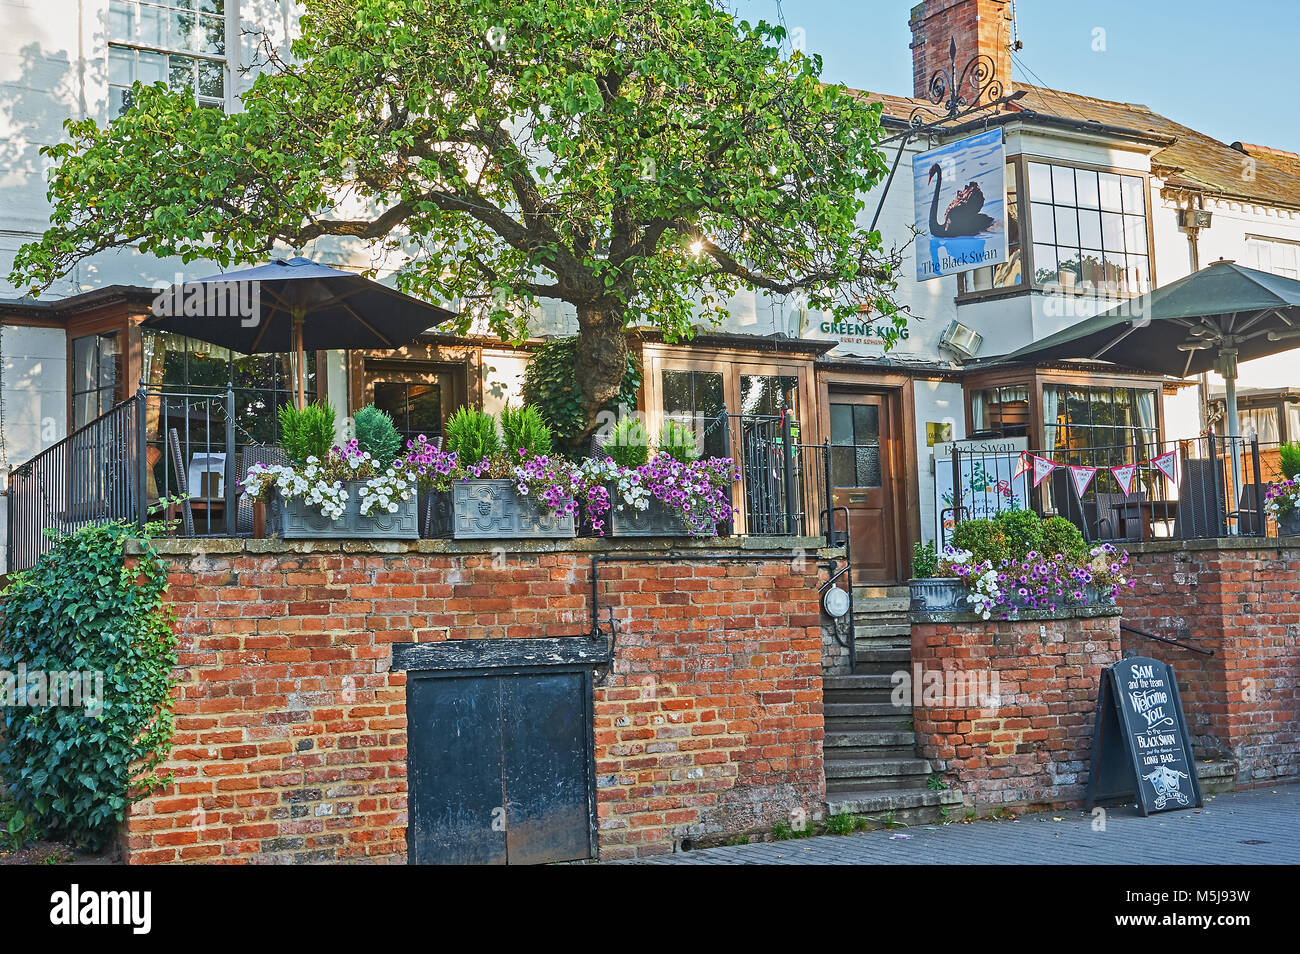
1242,601
290,739
978,27
1030,743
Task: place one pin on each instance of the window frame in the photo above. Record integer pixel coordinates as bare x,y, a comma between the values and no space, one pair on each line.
1026,231
134,44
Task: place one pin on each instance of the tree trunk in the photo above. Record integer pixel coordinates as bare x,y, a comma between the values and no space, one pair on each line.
602,360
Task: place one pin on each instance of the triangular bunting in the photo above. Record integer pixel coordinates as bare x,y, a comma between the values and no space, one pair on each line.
1168,465
1042,467
1124,477
1082,477
1022,464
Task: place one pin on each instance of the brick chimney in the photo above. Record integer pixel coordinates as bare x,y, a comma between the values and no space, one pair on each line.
977,27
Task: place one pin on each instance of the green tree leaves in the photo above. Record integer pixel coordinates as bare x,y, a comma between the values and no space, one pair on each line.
641,161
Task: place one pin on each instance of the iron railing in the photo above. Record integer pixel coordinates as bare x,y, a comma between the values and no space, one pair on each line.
1217,488
170,453
88,477
784,487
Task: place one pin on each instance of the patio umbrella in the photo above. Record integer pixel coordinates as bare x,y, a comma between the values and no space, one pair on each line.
1209,320
298,306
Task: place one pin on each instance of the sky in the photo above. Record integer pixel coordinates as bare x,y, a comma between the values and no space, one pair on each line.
1217,67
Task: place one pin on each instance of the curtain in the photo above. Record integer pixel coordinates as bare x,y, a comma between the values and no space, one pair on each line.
979,415
1146,415
1051,408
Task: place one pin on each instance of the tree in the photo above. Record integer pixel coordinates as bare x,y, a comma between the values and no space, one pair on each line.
641,161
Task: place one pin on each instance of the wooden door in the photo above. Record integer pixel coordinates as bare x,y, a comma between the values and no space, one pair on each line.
861,470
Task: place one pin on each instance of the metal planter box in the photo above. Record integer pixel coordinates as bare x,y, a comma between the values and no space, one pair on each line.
494,509
657,520
938,594
294,520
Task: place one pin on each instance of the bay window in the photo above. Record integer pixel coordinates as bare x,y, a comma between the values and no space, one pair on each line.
1089,229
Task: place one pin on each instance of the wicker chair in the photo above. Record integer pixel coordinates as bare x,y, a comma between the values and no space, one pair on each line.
1202,507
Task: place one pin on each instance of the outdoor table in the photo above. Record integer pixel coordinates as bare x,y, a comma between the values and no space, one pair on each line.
1151,511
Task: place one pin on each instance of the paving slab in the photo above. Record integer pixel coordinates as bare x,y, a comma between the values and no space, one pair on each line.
1258,826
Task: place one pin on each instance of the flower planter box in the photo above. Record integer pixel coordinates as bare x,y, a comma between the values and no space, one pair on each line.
1098,596
294,520
494,509
657,520
938,594
435,514
1288,524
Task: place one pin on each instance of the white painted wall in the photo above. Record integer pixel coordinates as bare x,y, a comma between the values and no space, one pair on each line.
503,378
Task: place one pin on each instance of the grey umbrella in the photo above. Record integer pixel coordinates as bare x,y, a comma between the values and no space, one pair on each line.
298,306
1209,320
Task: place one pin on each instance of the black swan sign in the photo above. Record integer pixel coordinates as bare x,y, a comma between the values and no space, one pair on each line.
960,196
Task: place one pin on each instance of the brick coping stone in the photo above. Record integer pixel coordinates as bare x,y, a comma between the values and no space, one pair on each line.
186,546
1024,616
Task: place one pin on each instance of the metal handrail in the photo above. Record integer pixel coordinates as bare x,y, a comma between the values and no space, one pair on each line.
1165,639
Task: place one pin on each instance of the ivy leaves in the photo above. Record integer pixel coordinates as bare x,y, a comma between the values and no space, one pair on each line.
550,386
85,612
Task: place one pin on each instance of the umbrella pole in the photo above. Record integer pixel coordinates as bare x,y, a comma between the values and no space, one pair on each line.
300,358
1229,361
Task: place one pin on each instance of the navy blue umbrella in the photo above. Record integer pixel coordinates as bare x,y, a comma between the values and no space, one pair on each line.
291,307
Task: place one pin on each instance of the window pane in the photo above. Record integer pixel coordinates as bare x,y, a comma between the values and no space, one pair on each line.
150,68
212,79
1067,226
866,424
180,73
677,392
1070,268
182,31
1134,195
121,65
1090,228
841,424
212,6
1110,191
1092,267
121,21
1040,182
708,394
153,26
1139,274
1112,231
1042,223
1062,185
1135,234
211,37
1089,197
1045,264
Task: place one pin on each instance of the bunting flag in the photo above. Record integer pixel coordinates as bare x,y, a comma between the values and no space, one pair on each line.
1167,464
1042,467
1082,477
1022,464
1124,477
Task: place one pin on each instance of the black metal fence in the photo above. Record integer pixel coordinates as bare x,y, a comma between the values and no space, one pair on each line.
1201,488
88,477
784,487
170,454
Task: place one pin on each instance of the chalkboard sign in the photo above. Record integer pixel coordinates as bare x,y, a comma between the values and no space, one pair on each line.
1140,747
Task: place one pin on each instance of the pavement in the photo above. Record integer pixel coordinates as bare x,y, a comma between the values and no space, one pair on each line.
1259,826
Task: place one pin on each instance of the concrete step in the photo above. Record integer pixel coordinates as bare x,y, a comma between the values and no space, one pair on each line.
866,716
861,687
870,743
872,768
867,591
899,806
883,661
1215,776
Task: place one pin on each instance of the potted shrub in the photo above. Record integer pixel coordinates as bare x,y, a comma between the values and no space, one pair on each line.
1018,562
1282,503
490,497
930,591
328,491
